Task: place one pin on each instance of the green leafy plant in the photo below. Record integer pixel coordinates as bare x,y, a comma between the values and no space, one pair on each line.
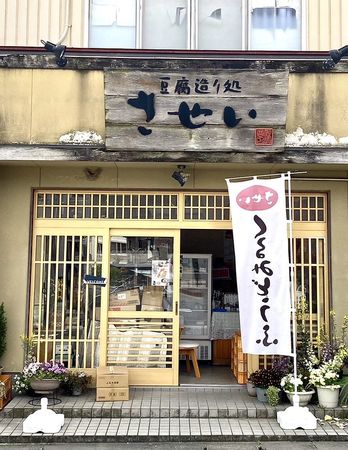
330,345
343,399
273,395
75,380
306,357
264,378
3,329
28,345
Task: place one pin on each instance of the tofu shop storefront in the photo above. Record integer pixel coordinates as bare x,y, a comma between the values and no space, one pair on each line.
170,269
165,251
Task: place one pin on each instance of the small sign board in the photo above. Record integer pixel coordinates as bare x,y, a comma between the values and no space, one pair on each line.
94,280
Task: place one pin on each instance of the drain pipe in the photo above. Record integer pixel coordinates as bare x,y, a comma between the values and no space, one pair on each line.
68,25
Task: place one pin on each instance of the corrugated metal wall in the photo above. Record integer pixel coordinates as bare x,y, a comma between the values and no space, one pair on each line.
25,22
327,24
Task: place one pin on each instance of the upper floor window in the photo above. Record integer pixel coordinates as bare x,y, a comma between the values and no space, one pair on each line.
196,24
275,25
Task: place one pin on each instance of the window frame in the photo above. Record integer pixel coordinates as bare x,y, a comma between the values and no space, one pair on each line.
303,26
192,25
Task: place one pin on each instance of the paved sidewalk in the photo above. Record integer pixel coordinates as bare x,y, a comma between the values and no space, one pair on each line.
202,445
157,430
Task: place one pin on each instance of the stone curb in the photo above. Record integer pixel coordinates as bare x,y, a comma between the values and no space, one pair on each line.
59,439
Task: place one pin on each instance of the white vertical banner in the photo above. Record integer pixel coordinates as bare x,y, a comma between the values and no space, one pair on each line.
260,237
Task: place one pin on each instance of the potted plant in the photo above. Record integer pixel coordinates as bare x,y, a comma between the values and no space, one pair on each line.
325,378
273,395
262,379
326,374
304,390
42,377
3,332
251,388
75,382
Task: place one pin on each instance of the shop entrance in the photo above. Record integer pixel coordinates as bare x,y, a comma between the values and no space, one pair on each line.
127,238
209,313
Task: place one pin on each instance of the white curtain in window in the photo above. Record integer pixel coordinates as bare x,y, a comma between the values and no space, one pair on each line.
274,3
112,23
220,25
165,24
275,29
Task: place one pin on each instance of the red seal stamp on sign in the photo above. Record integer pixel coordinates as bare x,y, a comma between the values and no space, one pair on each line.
264,137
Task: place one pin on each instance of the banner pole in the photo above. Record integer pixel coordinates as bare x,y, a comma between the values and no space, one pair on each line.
296,399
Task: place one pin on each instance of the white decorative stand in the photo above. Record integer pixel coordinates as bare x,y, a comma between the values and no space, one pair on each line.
296,417
44,420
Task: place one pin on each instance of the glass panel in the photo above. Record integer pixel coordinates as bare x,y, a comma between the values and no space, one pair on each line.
166,213
276,28
112,23
312,215
305,251
38,248
220,25
65,308
40,199
141,275
165,24
194,296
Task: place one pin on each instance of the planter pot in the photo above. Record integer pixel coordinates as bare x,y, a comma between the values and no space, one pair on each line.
44,386
304,397
261,394
251,389
328,396
76,391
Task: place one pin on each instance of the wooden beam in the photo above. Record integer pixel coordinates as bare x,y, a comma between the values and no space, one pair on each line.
290,155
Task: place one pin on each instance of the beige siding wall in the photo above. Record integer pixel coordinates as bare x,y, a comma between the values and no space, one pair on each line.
15,188
38,106
26,22
327,24
318,102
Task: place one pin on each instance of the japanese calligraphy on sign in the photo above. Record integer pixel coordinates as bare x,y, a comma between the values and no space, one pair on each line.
193,111
261,247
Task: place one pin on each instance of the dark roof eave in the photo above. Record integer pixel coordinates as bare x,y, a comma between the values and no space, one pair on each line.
102,59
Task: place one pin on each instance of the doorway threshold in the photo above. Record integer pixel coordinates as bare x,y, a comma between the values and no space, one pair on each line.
212,386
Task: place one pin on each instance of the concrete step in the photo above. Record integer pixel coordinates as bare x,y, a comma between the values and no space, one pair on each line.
163,403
